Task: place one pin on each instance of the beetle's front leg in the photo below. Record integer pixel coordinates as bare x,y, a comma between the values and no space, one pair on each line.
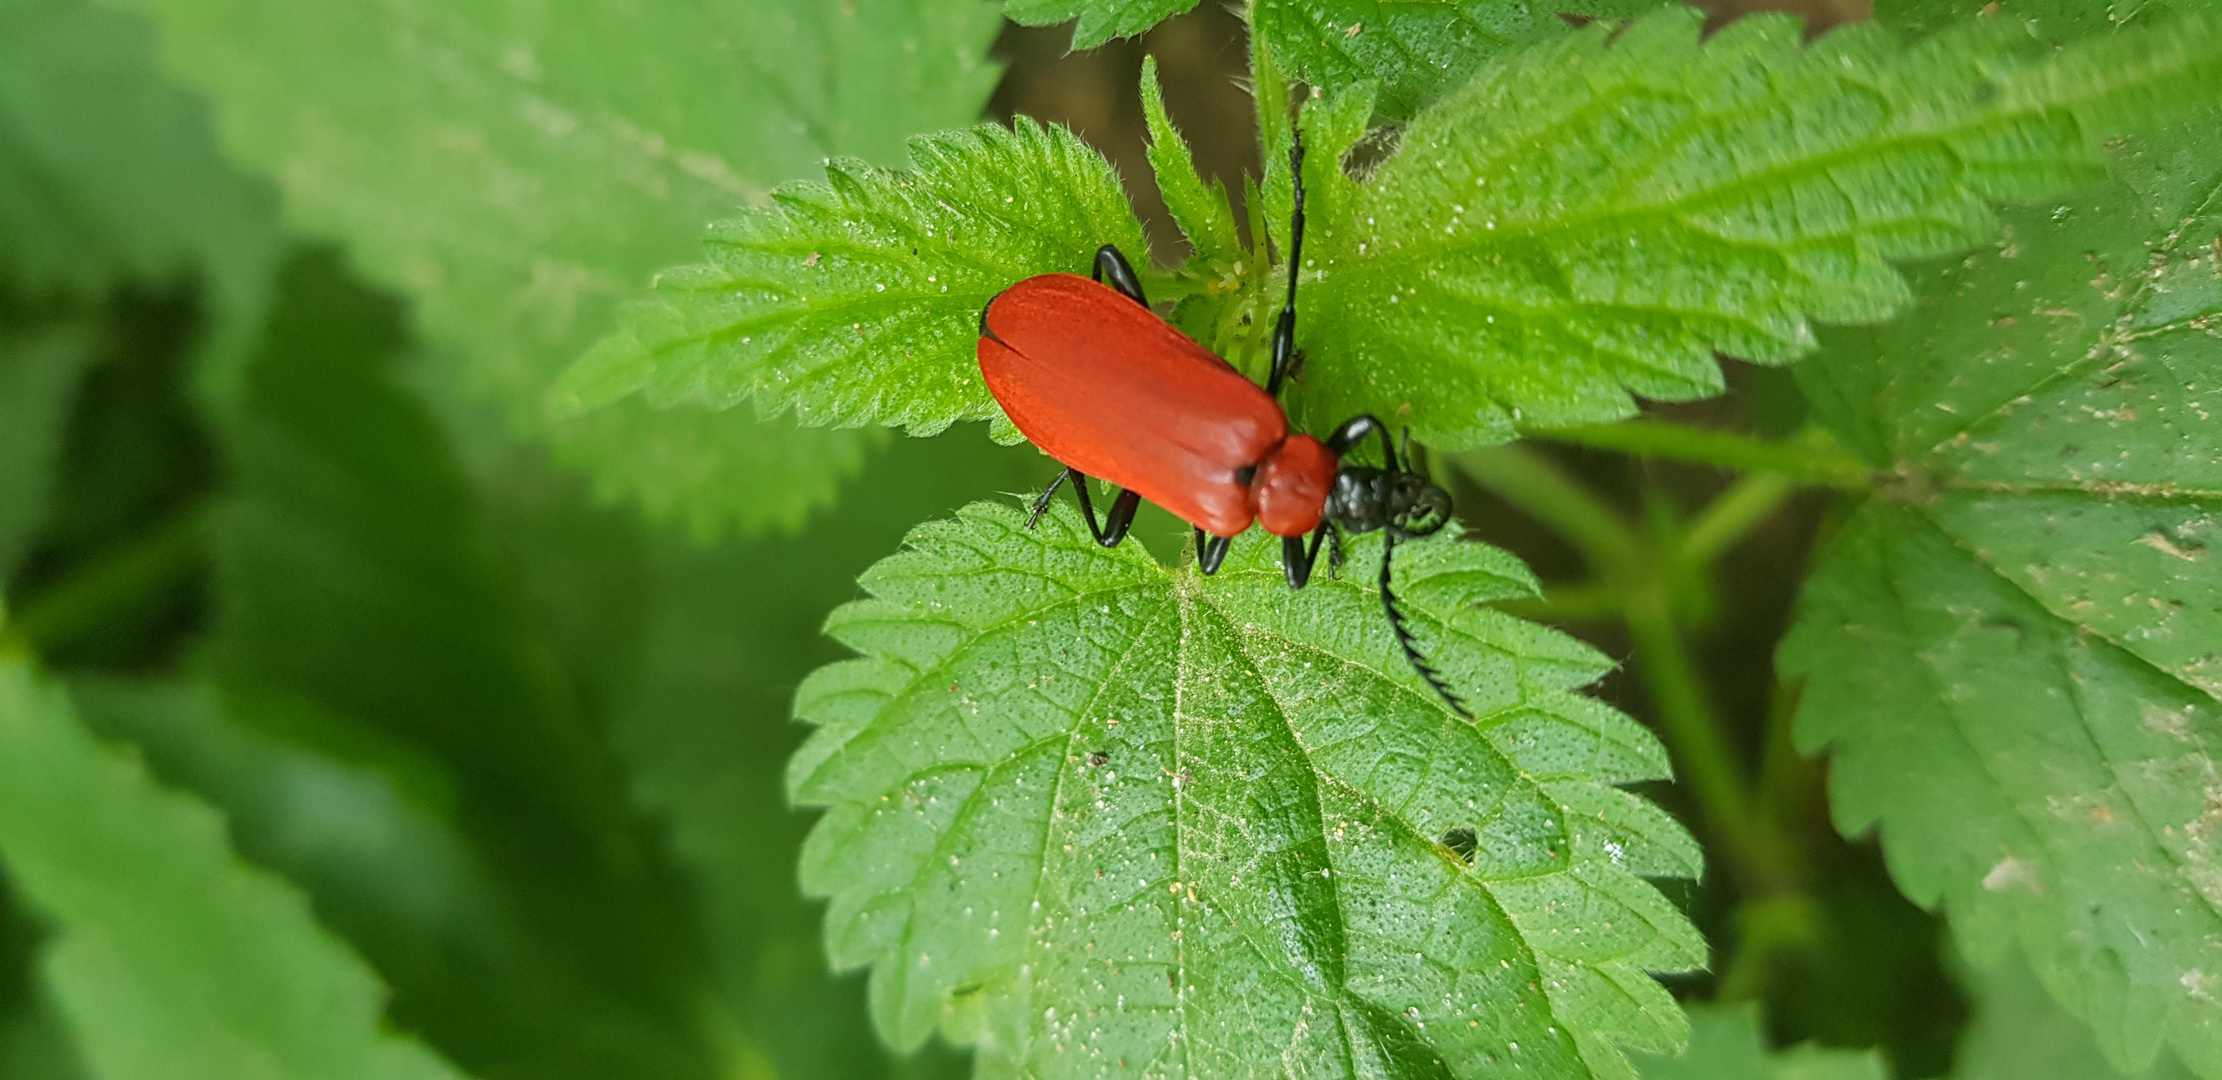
1297,560
1211,551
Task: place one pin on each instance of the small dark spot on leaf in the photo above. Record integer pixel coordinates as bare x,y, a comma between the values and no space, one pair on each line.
1462,840
1098,759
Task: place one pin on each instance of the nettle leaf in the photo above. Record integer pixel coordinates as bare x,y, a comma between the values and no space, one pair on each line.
1099,20
1725,1044
518,170
858,301
1415,50
109,172
2011,650
354,568
1204,214
1601,215
171,959
1091,814
2017,1033
694,654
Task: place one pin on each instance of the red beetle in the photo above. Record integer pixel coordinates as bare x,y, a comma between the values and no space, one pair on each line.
1096,380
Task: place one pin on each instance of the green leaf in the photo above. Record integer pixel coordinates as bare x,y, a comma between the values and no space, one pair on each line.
2010,652
1099,20
35,1044
1203,213
518,171
172,960
1602,214
859,301
365,827
1725,1044
2017,1033
109,172
1089,813
38,383
1416,50
700,714
83,114
355,569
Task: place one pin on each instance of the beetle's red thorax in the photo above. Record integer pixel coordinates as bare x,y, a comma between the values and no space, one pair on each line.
1290,491
1104,386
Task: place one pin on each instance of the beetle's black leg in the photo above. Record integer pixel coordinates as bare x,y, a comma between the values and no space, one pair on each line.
1112,265
1117,522
1334,552
1297,560
1041,504
1284,330
1211,551
1354,430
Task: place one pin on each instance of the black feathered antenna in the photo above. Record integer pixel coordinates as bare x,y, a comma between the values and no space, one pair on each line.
1404,632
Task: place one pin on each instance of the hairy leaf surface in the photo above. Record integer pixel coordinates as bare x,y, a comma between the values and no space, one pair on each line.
1203,213
2011,652
1725,1044
1089,813
518,169
1416,50
171,960
858,301
1599,216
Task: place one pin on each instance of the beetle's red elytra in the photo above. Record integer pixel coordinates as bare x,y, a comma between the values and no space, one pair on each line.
1094,378
1105,386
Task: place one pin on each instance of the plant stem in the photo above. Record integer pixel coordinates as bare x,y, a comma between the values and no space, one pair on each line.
1523,478
1698,740
119,577
1813,458
1636,578
1732,514
1593,601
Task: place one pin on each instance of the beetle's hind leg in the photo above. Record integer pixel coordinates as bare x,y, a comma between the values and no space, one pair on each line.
1210,551
1112,269
1115,524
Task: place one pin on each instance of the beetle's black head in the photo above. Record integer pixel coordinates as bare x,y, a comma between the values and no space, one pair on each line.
1416,507
1364,499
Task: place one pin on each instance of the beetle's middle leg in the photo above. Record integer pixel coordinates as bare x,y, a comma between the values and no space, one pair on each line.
1115,524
